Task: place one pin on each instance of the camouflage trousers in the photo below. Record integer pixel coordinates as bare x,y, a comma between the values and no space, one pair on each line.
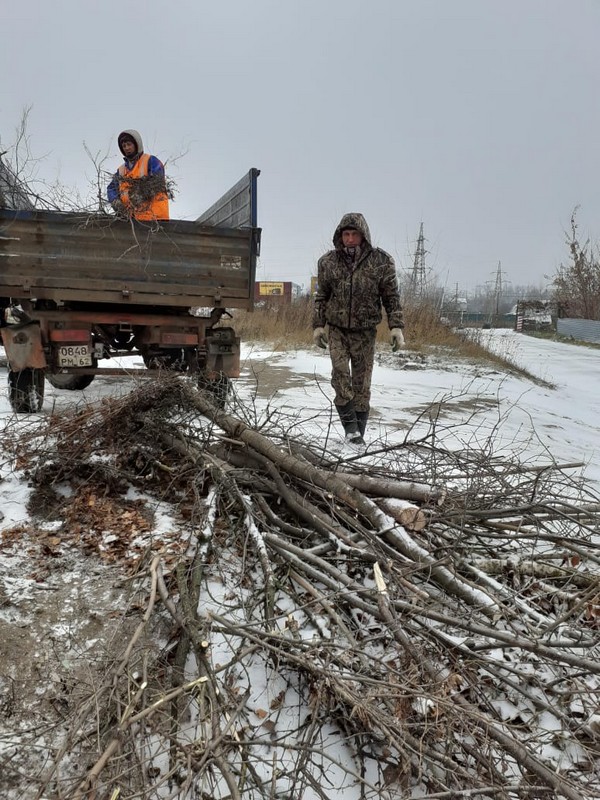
352,354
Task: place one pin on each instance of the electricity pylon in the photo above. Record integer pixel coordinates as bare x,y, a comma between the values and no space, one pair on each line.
418,277
497,294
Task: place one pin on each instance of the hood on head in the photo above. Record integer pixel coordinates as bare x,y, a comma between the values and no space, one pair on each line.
136,138
351,220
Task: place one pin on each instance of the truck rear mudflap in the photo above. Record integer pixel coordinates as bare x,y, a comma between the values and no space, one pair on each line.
222,353
23,346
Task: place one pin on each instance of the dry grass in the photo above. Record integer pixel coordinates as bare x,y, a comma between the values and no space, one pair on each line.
290,326
285,325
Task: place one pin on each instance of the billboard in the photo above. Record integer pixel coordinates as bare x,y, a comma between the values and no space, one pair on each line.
270,287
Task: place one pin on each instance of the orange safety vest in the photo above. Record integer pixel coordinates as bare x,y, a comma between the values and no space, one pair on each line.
156,207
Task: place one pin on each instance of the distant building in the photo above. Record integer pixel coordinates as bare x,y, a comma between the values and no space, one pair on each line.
455,304
453,311
533,315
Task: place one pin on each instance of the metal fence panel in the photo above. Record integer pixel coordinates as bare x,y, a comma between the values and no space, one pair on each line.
585,330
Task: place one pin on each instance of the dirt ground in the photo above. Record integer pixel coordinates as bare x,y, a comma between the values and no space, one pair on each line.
73,592
61,624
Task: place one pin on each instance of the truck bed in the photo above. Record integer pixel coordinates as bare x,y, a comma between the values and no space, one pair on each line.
74,257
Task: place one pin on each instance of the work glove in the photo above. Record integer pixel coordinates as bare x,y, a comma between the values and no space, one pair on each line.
320,337
396,339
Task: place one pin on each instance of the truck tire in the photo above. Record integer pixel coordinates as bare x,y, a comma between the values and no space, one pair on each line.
26,390
217,388
67,380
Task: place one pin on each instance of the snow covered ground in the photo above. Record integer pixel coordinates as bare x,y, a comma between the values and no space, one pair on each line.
559,423
553,419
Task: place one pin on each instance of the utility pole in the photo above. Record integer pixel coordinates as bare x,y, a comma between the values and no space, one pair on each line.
418,278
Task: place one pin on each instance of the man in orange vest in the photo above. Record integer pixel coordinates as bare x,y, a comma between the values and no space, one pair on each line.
138,188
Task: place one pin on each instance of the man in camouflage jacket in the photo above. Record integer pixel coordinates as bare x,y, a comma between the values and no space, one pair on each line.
354,281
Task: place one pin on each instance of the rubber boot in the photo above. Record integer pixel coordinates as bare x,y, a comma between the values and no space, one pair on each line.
350,423
362,418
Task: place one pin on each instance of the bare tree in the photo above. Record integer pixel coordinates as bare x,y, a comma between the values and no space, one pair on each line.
577,285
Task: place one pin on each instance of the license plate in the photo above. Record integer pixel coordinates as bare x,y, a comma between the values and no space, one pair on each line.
75,355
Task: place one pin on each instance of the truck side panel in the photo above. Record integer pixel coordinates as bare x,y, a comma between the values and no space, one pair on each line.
237,207
65,257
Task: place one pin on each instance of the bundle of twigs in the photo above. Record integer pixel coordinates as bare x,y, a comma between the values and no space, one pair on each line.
144,189
335,627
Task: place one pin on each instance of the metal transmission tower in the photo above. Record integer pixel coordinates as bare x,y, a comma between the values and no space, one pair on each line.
418,277
497,294
498,289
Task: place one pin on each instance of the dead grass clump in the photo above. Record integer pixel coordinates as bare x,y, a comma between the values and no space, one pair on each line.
284,324
423,329
291,325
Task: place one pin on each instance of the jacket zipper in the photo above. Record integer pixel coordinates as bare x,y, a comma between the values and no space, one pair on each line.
354,268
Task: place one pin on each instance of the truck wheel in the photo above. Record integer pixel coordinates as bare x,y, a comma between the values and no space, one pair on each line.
217,388
68,380
26,390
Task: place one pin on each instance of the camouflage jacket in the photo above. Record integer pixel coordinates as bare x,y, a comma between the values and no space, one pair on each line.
350,296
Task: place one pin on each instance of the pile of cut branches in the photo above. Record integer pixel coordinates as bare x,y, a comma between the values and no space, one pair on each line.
332,627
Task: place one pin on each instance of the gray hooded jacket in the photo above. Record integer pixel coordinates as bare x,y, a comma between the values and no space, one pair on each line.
136,138
350,295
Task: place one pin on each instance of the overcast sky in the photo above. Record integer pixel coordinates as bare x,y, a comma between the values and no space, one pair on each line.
479,118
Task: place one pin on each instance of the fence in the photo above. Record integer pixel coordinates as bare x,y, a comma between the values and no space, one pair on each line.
584,330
